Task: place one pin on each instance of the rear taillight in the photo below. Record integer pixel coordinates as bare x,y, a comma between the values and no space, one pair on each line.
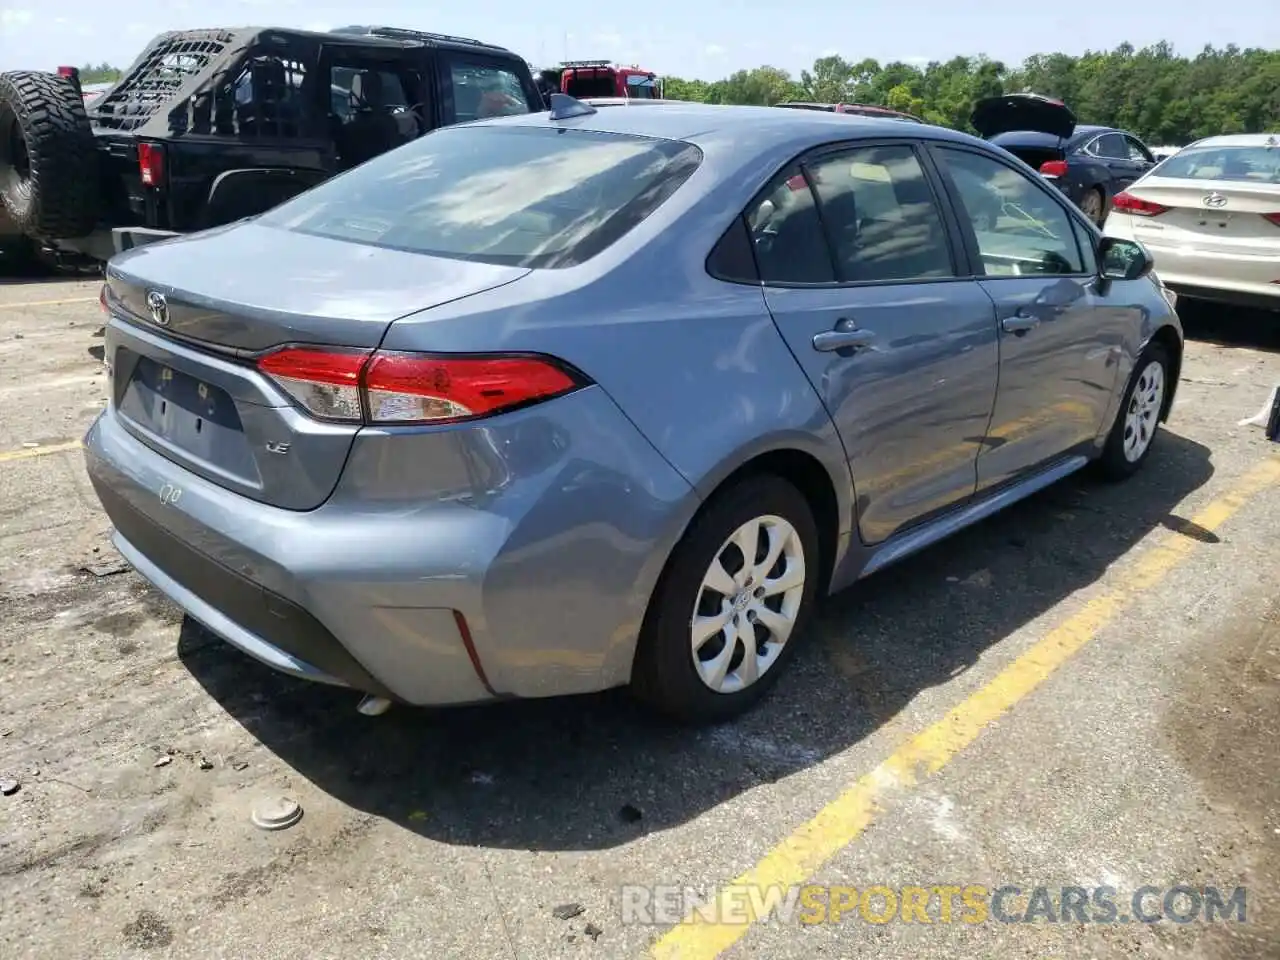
325,382
1053,168
151,164
411,388
1128,203
402,388
1273,217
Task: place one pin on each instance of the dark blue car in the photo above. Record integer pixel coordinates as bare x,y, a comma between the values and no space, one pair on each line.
1089,164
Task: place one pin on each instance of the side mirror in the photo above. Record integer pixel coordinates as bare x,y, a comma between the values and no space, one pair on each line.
1123,259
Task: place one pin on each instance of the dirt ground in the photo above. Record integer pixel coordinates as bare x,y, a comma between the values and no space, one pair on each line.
141,745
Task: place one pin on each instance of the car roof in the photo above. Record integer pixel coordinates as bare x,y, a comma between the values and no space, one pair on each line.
1239,140
741,126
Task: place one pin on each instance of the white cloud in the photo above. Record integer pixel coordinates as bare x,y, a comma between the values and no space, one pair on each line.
140,29
319,27
16,19
608,39
715,50
916,61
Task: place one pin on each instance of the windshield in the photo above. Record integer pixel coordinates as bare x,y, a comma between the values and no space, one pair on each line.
1246,164
517,196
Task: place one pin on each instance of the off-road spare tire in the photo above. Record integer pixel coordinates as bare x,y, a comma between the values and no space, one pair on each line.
48,156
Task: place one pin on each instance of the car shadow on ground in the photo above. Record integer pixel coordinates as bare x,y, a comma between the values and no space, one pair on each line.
1229,326
594,772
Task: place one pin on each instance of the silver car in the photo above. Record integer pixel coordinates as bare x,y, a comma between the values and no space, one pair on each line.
551,404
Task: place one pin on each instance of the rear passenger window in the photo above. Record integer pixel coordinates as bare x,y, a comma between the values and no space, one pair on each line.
787,235
881,215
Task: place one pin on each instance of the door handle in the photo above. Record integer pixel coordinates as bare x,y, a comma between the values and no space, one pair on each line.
846,339
1019,323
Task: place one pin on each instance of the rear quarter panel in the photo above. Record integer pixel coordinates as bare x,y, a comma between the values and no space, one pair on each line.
695,363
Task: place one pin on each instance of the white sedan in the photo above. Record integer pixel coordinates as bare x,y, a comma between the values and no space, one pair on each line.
1210,217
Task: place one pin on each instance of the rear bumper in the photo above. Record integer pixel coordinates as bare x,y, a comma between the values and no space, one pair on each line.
525,578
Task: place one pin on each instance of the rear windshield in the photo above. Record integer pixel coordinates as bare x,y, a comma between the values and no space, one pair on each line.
516,196
1260,164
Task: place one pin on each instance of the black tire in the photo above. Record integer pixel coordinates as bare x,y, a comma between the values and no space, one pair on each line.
1096,194
664,675
48,156
18,255
1113,465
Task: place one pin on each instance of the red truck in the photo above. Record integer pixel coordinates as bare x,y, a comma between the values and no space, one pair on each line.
603,78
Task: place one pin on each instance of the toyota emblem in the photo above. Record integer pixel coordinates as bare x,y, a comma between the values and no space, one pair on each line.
1215,201
158,307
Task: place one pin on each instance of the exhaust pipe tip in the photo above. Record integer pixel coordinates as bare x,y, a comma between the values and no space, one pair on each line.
372,706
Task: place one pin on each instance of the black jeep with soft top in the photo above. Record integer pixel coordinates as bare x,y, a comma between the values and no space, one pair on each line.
211,126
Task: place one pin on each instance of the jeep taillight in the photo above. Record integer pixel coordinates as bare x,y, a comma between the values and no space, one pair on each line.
388,387
151,164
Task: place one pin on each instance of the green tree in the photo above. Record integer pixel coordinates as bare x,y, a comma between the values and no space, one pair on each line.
1158,94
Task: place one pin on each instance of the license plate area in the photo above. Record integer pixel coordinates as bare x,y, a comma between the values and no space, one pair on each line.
185,414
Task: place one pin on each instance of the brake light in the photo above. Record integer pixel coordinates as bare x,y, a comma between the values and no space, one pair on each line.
405,387
1128,203
71,73
151,164
1053,168
387,387
1273,217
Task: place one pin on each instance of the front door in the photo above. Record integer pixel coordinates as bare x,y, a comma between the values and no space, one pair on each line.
474,86
861,275
1059,345
1114,151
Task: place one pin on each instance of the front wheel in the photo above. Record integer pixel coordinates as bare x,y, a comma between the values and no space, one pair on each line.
724,618
1129,443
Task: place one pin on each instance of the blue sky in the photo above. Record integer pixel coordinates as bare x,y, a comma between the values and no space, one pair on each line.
731,34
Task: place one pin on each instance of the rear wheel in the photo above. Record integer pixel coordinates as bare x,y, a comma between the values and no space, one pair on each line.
1094,205
737,590
48,156
1129,443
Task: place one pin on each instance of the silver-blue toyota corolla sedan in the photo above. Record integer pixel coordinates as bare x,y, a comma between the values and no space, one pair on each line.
551,404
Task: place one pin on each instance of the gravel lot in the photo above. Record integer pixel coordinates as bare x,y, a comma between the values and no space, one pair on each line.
141,745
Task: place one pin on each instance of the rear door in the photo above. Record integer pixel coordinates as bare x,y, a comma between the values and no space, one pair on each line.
1114,152
866,282
474,86
378,98
1058,337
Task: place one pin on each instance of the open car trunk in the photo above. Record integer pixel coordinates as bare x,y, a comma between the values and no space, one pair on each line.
1033,155
1034,128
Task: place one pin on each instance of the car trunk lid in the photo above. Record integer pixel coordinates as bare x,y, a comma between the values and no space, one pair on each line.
992,116
189,316
1212,216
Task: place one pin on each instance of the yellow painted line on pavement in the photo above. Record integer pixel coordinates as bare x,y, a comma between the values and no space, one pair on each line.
802,854
26,453
46,303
